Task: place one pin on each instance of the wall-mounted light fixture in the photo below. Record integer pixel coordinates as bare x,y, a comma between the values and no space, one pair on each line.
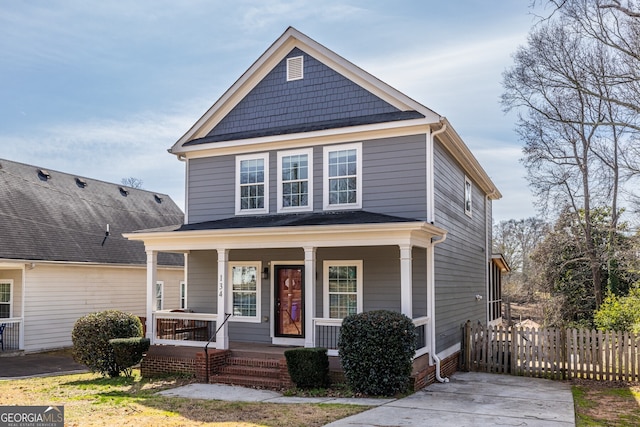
265,273
478,297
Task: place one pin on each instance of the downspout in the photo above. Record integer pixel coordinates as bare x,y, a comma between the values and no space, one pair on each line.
432,296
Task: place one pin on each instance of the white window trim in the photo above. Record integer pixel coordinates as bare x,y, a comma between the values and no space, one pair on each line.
155,297
325,191
325,283
258,316
186,303
10,283
309,153
468,184
265,210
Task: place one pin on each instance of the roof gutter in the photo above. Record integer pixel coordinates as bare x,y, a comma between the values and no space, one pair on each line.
432,309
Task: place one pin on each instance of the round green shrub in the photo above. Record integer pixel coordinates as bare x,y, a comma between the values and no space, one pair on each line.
91,335
376,350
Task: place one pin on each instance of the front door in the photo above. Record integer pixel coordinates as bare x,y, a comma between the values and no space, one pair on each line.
289,300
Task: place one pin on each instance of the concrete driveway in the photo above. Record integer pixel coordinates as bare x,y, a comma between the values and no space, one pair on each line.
476,399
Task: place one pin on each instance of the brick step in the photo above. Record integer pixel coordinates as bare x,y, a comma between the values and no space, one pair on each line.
250,371
251,362
246,381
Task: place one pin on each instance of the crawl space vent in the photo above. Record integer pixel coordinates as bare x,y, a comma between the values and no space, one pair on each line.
294,68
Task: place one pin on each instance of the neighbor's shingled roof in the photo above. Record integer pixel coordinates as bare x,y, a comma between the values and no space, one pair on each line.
63,217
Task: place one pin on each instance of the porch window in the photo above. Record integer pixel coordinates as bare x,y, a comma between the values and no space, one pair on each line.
295,181
342,288
6,291
159,295
183,295
252,191
468,196
343,176
245,291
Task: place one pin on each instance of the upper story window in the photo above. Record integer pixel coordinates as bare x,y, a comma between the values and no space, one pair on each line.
468,196
295,181
343,176
252,189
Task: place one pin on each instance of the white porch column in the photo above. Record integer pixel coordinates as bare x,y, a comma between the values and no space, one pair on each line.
152,274
406,281
222,338
309,295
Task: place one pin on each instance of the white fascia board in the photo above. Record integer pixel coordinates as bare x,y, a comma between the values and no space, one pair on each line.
417,233
307,139
459,150
270,58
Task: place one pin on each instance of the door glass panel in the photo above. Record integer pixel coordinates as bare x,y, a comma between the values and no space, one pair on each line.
289,302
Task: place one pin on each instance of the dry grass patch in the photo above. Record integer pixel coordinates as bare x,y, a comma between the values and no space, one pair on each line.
606,403
91,400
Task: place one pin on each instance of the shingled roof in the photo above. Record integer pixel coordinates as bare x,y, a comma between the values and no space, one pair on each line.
47,215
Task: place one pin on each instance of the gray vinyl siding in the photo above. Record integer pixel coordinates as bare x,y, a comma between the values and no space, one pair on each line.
394,176
459,261
211,194
201,281
394,180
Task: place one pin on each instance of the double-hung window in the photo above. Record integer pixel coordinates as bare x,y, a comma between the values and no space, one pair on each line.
183,295
295,181
252,184
342,288
6,291
159,295
468,196
245,290
343,177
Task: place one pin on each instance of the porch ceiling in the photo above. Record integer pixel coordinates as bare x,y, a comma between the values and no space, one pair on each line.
335,229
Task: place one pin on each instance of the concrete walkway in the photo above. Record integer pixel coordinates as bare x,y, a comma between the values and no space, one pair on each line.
469,399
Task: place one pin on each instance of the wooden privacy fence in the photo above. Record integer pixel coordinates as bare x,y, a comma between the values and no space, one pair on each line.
551,353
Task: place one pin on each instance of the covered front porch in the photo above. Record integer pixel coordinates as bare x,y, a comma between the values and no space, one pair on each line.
291,281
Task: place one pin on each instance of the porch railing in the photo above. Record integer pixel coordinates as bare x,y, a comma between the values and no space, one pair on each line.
188,329
11,334
327,333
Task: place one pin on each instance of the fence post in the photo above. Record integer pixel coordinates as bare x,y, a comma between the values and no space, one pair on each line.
466,346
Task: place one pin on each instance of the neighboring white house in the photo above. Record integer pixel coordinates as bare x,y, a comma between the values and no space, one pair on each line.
62,254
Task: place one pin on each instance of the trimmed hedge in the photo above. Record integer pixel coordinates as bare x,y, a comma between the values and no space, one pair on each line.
308,367
129,352
376,349
91,335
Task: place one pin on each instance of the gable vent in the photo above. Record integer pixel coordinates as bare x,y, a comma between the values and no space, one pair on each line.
295,68
81,182
123,191
43,174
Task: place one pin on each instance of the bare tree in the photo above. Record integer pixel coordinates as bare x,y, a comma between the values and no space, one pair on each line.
568,126
132,182
516,240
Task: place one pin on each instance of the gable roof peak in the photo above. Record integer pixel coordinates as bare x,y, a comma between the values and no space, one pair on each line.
275,53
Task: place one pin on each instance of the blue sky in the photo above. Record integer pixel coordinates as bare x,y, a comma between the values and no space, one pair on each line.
103,88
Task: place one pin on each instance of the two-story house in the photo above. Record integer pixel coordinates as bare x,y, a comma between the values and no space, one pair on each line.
315,191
